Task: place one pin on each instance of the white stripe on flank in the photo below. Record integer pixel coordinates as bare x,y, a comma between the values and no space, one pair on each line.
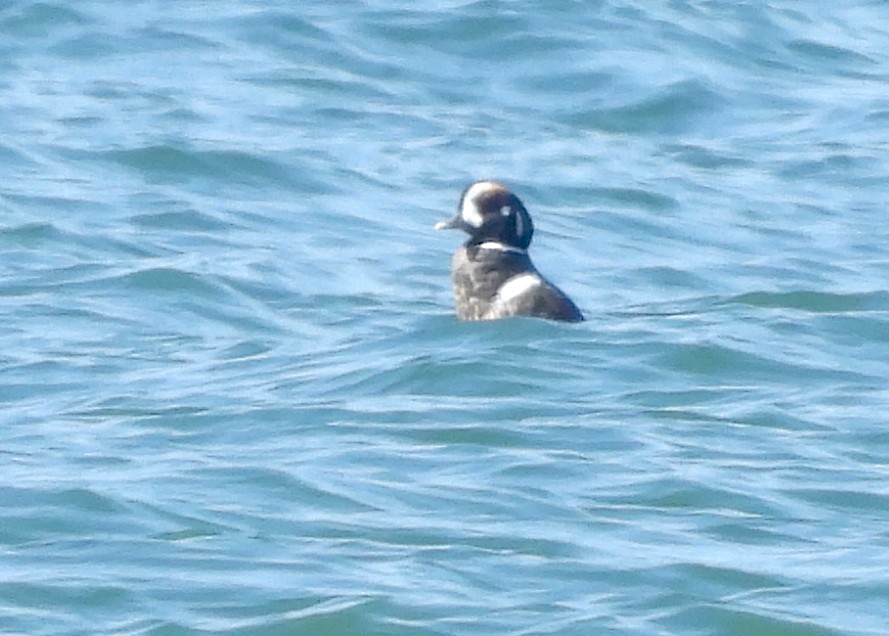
516,286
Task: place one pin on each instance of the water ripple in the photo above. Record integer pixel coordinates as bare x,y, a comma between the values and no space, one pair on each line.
229,350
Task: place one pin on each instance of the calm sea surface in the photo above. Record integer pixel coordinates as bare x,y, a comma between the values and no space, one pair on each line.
234,398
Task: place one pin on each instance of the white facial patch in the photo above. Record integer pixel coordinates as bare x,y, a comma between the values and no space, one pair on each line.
470,213
516,286
469,210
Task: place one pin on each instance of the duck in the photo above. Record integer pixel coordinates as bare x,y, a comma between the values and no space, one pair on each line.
492,275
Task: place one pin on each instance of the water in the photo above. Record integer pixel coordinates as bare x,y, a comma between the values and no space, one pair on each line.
234,396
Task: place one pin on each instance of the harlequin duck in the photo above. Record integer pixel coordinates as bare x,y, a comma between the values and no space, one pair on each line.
492,274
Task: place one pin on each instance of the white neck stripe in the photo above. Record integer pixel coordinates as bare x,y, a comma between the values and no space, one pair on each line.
494,245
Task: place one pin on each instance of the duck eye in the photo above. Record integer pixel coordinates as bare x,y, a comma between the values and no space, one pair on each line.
506,210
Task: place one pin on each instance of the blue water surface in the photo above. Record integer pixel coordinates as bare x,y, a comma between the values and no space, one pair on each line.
235,399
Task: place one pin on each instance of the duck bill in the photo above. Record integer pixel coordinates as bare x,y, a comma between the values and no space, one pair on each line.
455,223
